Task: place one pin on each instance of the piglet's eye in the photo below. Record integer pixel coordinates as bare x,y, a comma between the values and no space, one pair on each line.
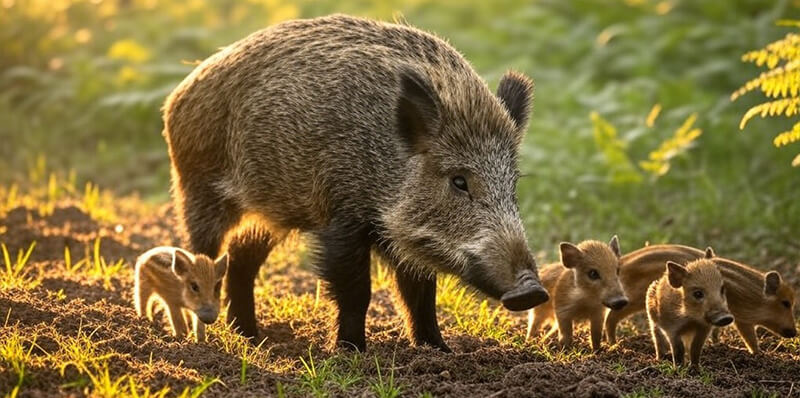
698,294
195,288
786,303
594,275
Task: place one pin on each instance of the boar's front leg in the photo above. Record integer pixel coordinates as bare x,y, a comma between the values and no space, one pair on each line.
418,296
344,265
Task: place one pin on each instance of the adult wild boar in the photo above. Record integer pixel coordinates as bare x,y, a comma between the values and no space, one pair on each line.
369,136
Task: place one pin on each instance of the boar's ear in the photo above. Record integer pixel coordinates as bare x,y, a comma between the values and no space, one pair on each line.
710,252
676,273
221,266
772,280
417,110
180,263
571,255
516,92
614,244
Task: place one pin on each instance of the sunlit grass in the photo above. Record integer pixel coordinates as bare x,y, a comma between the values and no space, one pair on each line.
100,268
385,386
342,371
472,315
15,274
16,357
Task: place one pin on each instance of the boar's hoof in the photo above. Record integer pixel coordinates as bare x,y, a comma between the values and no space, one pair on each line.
527,294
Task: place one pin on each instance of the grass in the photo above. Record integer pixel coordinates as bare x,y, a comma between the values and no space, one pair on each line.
383,386
102,269
645,393
15,275
17,356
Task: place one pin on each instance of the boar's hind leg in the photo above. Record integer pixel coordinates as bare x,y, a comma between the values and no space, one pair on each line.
344,264
418,295
247,250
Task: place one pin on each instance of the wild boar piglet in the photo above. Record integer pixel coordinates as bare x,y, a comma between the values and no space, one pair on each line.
187,285
683,305
582,286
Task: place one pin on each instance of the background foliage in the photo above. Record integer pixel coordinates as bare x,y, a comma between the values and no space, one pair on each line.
614,144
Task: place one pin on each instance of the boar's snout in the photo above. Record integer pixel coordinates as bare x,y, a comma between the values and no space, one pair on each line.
789,332
526,294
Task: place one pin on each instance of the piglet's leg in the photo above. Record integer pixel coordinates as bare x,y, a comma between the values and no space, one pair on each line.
748,333
596,326
678,350
176,321
564,331
199,329
696,348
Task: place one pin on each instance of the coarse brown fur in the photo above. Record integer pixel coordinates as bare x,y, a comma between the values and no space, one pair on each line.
683,305
188,287
356,132
582,286
754,298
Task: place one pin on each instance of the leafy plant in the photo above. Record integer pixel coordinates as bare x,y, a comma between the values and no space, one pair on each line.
780,83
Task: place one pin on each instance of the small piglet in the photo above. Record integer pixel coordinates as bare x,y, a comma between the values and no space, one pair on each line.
684,304
582,286
188,286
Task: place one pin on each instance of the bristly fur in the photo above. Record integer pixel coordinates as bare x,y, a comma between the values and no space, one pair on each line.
351,130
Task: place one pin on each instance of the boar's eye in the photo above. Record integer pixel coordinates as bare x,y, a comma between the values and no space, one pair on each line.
195,288
594,275
698,294
460,183
722,291
786,303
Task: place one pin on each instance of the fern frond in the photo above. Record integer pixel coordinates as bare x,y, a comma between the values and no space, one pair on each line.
796,161
787,137
783,81
787,49
658,160
785,106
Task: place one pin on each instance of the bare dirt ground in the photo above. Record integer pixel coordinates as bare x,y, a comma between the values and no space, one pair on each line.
75,303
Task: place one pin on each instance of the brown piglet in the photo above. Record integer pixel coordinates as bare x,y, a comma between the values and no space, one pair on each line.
755,298
683,305
582,286
187,285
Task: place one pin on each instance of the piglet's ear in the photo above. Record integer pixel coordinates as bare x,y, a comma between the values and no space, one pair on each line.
772,281
676,274
418,114
221,265
710,252
181,263
571,255
614,244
